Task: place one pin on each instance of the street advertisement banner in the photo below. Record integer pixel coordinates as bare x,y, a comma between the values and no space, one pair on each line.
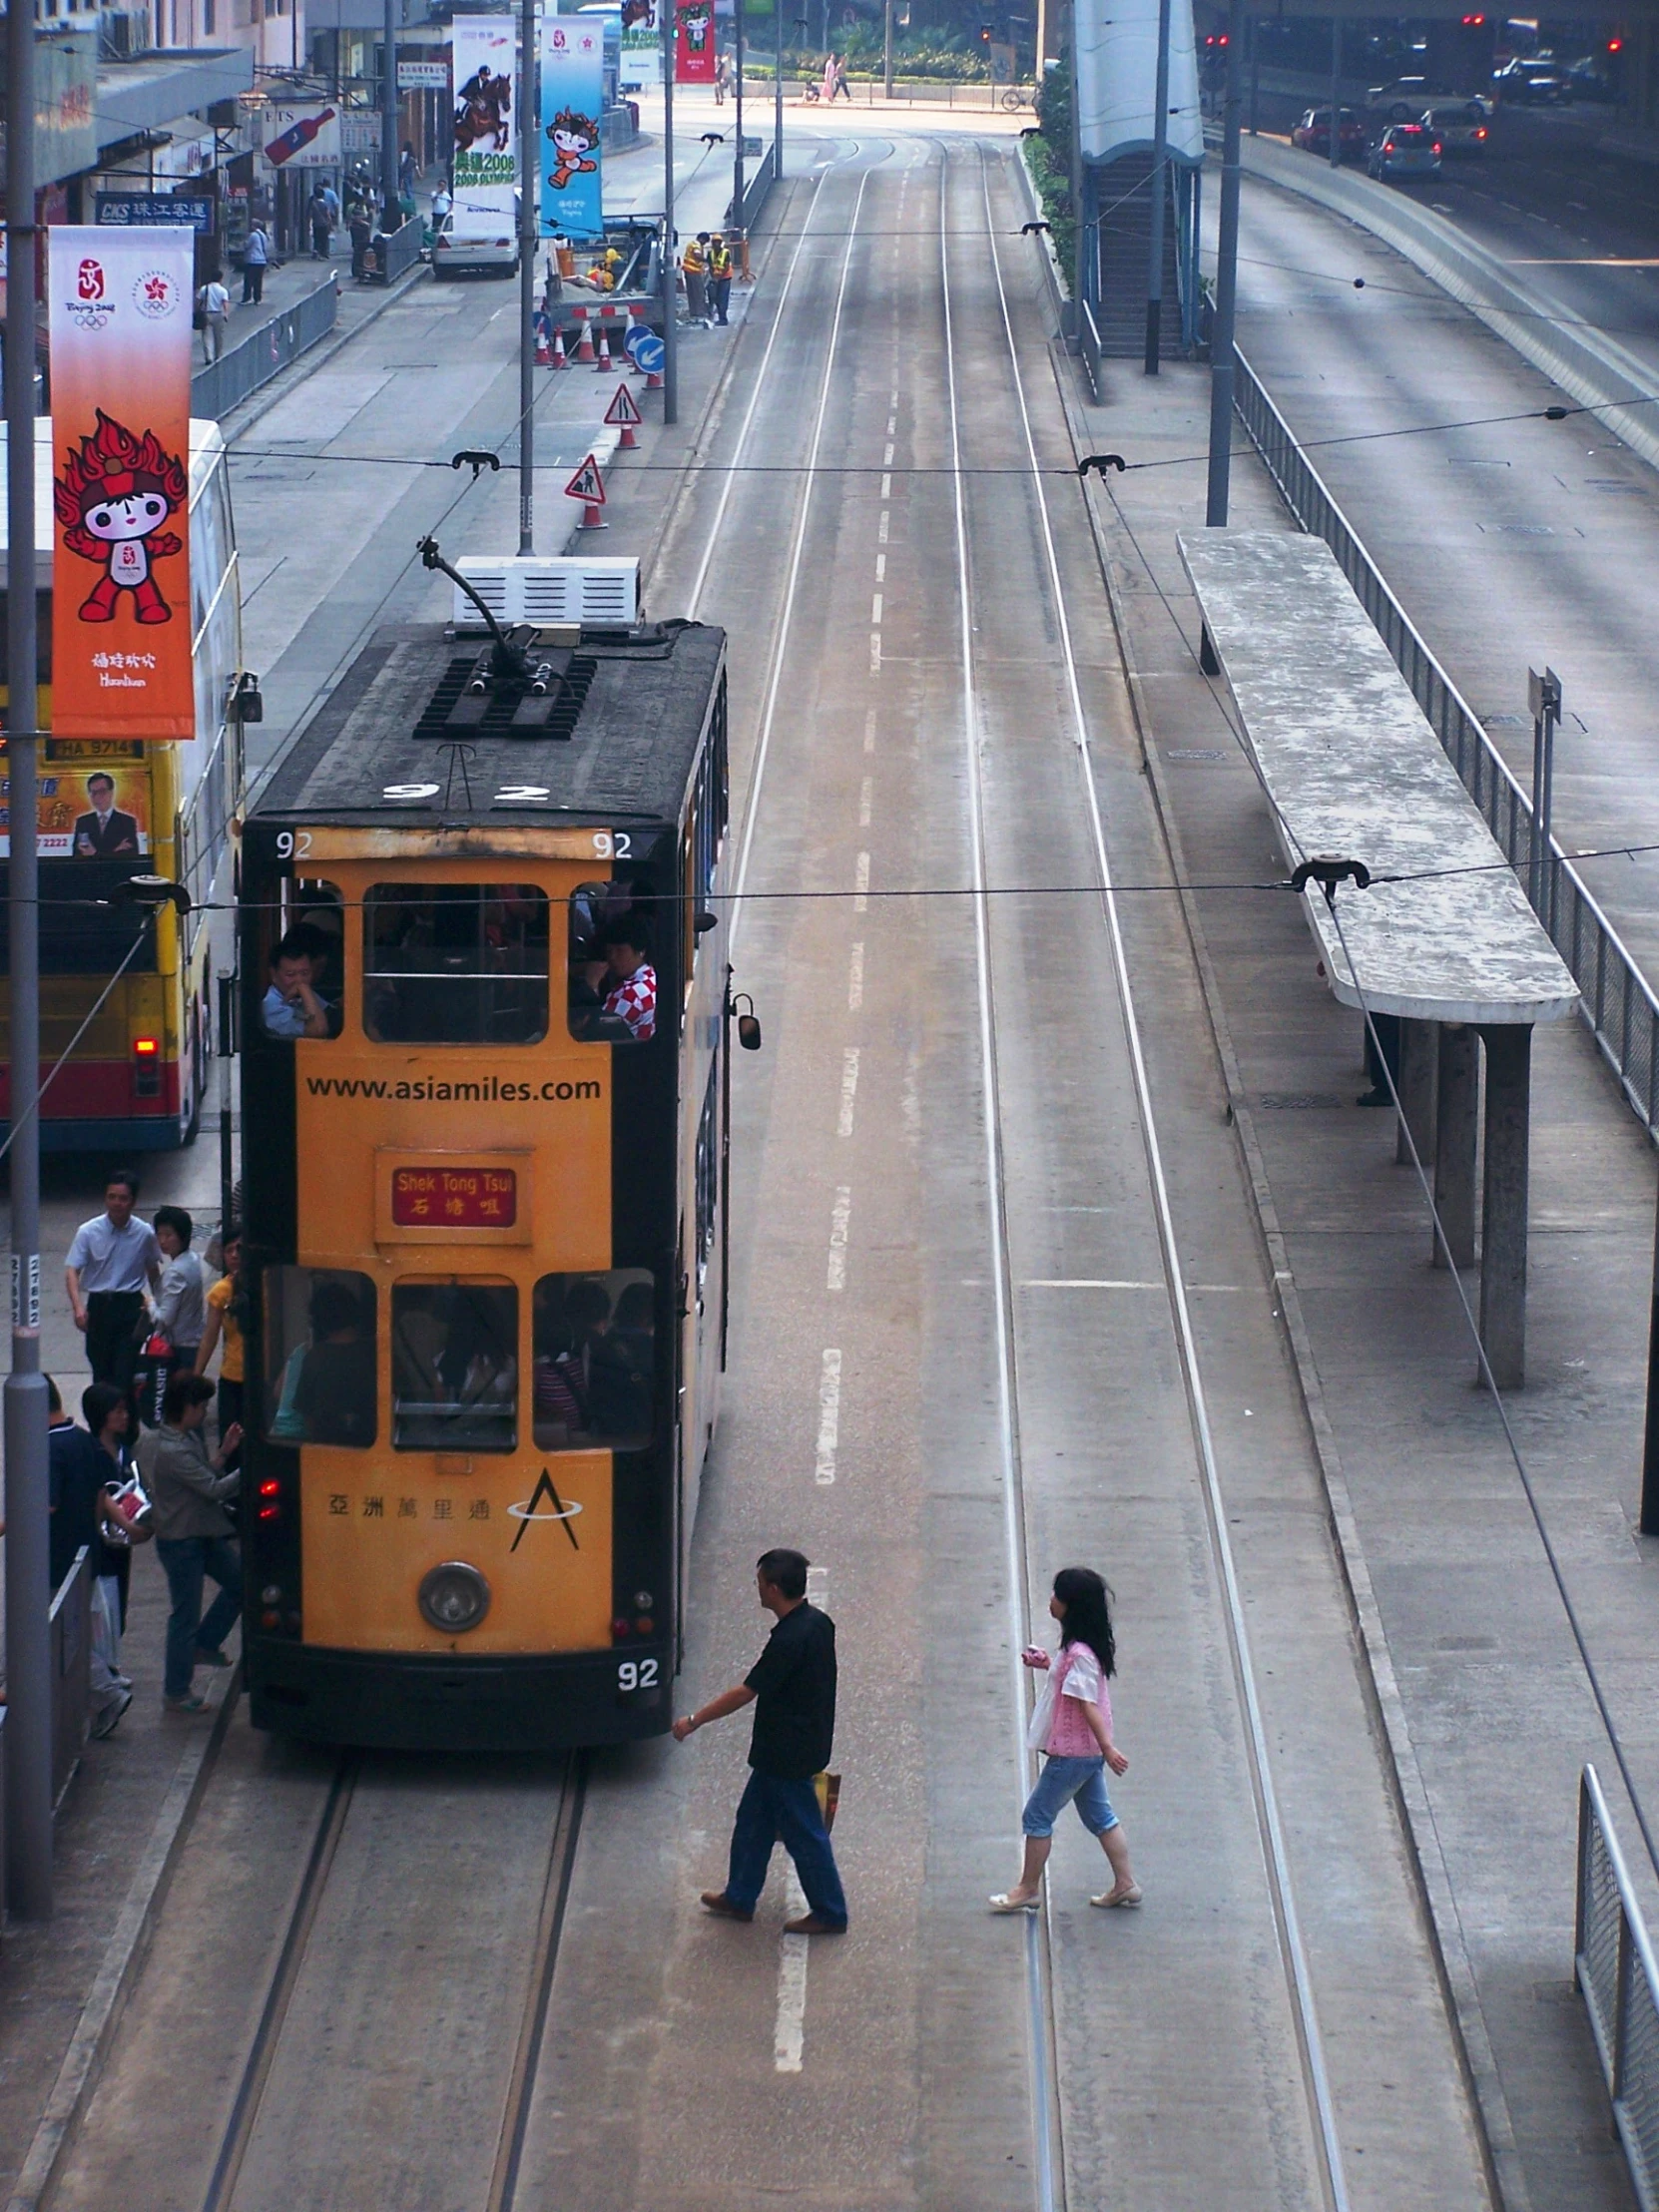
119,328
300,135
99,813
640,58
1117,76
572,95
486,126
694,42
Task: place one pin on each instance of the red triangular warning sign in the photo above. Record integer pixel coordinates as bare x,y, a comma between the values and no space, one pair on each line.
587,484
623,407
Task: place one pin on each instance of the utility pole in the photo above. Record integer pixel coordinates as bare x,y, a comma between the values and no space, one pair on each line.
1226,280
737,163
887,50
1335,91
1543,697
529,229
1160,192
391,215
28,1732
671,259
777,101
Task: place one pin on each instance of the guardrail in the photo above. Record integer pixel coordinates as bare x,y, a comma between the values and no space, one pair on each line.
1614,1967
1089,335
1621,1010
398,251
216,390
754,193
71,1620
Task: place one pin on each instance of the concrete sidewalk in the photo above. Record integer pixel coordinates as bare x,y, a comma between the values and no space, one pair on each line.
1486,1704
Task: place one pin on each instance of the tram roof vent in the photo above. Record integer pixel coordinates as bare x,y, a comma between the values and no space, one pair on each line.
530,588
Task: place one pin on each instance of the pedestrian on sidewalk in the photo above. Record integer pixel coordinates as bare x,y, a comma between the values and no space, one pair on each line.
213,303
180,1305
82,1483
1071,1728
316,209
792,1687
110,1424
224,1327
406,170
843,90
828,93
720,276
111,1261
363,232
723,80
331,200
193,1537
695,264
255,258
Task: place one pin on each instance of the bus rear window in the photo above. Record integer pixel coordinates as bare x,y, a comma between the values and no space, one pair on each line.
593,1346
455,1366
455,963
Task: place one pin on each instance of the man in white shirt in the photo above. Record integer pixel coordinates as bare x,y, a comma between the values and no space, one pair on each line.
214,303
113,1260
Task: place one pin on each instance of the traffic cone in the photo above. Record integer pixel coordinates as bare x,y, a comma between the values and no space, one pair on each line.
558,359
584,351
627,440
544,352
593,518
604,366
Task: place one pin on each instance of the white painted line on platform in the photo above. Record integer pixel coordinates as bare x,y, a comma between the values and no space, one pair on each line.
882,530
893,424
840,1215
887,457
829,1415
789,2038
881,568
870,728
867,797
850,1091
856,978
860,884
887,488
875,610
875,653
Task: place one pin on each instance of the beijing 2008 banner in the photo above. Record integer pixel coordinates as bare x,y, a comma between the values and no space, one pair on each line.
486,126
572,94
120,324
694,42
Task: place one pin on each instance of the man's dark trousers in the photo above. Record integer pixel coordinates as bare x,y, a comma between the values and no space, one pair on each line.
111,1336
772,1811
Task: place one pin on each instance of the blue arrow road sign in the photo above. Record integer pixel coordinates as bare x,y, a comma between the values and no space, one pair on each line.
646,350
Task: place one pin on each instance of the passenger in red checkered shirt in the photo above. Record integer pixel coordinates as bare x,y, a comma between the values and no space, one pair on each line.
632,998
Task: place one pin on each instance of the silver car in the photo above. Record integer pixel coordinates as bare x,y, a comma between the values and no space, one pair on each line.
493,255
1405,150
1462,126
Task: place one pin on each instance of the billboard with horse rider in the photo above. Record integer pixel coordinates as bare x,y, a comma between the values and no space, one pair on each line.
486,126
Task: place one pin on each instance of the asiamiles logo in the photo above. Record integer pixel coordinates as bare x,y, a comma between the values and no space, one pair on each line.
527,1512
489,1090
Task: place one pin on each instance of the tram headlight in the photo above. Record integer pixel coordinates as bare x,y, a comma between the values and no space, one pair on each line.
453,1598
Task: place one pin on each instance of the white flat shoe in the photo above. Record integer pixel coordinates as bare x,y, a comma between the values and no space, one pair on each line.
1003,1903
1109,1897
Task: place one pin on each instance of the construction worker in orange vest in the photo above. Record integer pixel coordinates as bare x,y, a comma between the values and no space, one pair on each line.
695,265
720,275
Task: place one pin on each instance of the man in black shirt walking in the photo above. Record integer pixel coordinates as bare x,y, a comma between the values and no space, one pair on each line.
792,1689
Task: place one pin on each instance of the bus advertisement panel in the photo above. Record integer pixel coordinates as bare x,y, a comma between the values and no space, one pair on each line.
100,813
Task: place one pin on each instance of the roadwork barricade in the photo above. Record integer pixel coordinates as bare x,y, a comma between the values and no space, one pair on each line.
1614,1967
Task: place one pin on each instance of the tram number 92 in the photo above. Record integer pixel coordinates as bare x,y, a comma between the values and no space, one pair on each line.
636,1674
612,846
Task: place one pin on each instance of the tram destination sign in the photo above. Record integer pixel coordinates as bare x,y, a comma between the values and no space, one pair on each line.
454,1198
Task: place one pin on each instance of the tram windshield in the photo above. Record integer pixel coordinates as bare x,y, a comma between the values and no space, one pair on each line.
455,963
455,1366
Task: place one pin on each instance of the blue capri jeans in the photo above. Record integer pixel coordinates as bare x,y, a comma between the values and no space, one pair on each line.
1063,1781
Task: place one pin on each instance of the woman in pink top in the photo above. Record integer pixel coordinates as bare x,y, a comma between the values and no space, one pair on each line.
1072,1728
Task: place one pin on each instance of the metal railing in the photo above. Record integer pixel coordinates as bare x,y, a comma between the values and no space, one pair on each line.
398,251
1614,1968
1621,1010
70,1622
1088,331
754,194
216,390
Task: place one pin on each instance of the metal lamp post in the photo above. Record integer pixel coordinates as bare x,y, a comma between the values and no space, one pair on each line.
1227,281
529,227
671,259
1160,193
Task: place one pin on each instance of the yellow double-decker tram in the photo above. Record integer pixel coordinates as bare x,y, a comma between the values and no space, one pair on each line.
484,1026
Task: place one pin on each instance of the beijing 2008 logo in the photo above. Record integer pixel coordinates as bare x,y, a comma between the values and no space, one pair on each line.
155,295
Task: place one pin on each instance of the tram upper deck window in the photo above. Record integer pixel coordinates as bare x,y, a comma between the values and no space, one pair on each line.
593,1339
319,1357
455,963
305,964
455,1366
613,975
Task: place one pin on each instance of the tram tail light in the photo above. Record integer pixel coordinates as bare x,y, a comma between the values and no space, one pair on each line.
271,1493
621,1630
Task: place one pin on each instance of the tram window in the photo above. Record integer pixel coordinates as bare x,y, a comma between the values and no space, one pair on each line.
304,962
319,1357
455,963
613,971
708,1173
455,1366
592,1341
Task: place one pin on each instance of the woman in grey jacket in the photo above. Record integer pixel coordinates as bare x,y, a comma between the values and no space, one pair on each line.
194,1538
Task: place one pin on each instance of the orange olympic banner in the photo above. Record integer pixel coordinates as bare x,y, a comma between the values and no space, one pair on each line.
119,321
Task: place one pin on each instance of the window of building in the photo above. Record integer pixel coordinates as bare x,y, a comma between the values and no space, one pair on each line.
304,962
455,963
592,1343
455,1366
612,967
319,1357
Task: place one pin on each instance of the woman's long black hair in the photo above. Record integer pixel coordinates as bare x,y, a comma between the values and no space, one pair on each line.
1088,1619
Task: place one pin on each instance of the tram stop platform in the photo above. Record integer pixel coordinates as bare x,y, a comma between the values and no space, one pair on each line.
1441,937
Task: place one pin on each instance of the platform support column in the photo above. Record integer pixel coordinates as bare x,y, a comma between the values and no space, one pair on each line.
1457,1107
1417,1054
1504,1202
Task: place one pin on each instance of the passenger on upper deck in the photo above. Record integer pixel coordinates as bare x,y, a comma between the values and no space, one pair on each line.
632,999
292,1007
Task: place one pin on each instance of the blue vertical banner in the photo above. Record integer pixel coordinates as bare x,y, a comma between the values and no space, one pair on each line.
572,96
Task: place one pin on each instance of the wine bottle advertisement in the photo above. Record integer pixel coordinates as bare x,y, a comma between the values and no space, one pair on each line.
300,135
119,327
572,94
484,50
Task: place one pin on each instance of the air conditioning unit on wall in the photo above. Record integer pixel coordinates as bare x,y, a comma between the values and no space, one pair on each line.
528,588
